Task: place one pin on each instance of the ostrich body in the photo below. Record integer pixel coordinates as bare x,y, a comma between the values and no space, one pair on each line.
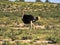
28,18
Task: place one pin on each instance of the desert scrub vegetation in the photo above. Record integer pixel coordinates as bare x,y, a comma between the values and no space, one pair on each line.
11,14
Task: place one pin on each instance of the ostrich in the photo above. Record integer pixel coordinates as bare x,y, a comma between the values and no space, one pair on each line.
29,19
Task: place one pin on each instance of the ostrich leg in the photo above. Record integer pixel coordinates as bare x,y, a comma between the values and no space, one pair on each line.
30,27
31,24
